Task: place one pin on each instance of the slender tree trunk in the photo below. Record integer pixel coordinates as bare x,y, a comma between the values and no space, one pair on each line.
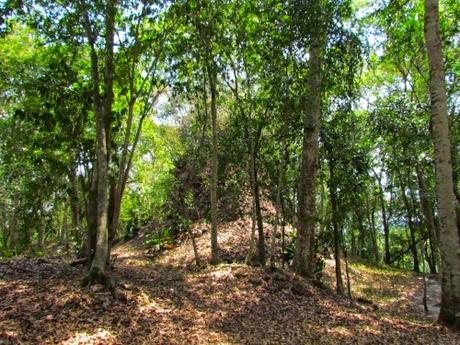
260,224
304,255
410,222
4,227
347,272
13,226
449,241
370,210
455,162
279,188
194,247
335,226
112,208
257,214
101,248
386,228
250,255
283,234
429,219
424,299
118,184
212,76
89,245
75,205
431,258
41,233
353,244
362,232
64,225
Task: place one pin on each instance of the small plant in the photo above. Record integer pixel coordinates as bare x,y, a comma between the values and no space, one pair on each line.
159,238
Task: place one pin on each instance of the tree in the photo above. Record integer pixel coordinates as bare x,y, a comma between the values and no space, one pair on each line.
449,240
304,257
103,112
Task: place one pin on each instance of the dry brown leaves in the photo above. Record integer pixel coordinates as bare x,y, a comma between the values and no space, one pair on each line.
171,302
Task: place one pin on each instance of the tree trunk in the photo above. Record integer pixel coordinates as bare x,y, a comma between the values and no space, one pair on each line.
41,233
455,162
449,242
118,184
103,111
89,245
386,228
279,188
13,226
256,257
63,233
429,219
250,255
335,226
347,271
75,205
113,208
410,222
353,244
424,298
260,224
370,212
101,250
212,76
304,255
283,234
4,227
362,232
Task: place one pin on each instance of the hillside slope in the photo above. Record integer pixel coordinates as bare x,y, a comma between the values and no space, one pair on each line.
169,301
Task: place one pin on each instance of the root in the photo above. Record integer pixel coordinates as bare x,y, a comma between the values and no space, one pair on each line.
80,261
98,276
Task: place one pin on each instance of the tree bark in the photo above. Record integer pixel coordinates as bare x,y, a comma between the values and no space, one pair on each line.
112,213
347,271
410,222
74,204
89,245
361,250
449,241
13,226
386,228
63,233
41,233
212,75
260,224
370,214
279,188
250,255
304,255
429,219
336,227
255,256
103,111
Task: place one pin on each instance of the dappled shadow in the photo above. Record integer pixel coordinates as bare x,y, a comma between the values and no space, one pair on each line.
166,303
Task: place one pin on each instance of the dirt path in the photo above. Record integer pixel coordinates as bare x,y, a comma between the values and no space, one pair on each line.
433,297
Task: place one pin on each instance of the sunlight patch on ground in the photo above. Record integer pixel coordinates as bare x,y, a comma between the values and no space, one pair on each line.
101,336
147,305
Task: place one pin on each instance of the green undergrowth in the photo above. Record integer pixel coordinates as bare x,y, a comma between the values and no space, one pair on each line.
386,287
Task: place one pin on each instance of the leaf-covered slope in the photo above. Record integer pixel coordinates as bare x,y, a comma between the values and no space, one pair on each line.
171,302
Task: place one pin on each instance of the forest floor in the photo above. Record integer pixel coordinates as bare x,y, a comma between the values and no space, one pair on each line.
167,300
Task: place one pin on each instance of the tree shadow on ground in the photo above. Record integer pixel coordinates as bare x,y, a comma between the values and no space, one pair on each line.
167,304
